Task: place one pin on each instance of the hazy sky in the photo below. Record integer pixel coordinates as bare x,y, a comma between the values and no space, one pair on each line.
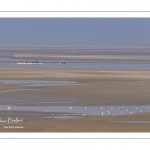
75,31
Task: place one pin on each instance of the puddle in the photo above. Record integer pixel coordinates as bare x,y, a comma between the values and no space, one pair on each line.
36,83
64,116
137,122
15,90
44,102
80,110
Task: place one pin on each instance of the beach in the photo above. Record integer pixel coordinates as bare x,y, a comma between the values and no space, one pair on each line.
86,88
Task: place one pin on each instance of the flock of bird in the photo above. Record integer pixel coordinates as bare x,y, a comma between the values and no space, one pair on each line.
119,108
110,112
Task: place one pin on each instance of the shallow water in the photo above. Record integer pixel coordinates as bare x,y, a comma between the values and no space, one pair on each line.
37,83
134,122
15,90
65,116
80,110
68,64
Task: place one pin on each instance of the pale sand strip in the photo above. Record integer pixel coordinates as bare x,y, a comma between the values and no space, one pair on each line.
83,57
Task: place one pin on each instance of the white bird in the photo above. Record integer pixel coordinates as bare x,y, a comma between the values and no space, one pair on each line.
70,107
83,114
108,112
8,107
85,107
101,107
136,107
53,115
141,110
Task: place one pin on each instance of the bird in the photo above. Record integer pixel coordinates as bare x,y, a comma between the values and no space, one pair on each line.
53,116
130,112
136,107
141,110
70,107
8,107
101,107
108,112
83,114
85,107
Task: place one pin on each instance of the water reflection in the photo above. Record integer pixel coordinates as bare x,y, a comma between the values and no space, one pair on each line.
81,111
139,122
37,83
69,64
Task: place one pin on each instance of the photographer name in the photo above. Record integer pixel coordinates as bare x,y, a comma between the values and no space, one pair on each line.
10,121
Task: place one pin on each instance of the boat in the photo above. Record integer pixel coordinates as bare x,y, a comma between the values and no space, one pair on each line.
30,63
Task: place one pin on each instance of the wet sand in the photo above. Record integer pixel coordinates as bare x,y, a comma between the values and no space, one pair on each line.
94,54
92,124
97,87
83,124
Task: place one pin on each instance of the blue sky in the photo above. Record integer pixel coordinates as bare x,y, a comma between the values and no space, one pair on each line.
75,31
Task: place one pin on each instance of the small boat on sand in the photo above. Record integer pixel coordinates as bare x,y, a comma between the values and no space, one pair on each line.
24,63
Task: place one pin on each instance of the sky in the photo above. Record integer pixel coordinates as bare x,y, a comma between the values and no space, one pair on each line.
75,31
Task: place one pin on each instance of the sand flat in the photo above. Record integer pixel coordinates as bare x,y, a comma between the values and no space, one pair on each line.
96,87
99,87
